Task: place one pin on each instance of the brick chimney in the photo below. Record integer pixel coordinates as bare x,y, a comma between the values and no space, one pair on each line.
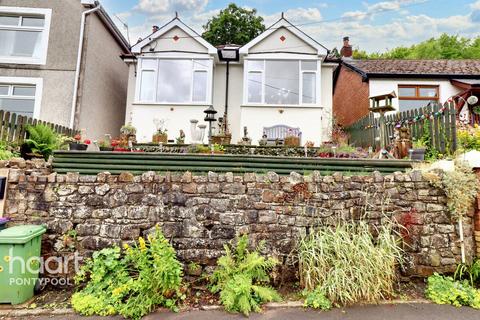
346,51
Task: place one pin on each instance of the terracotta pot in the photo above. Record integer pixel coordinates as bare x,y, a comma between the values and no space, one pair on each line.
77,146
222,140
160,137
292,141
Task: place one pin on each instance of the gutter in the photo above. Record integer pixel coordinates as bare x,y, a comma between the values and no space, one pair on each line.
79,62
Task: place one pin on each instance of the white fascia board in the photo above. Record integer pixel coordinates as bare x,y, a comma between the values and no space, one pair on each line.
284,23
174,23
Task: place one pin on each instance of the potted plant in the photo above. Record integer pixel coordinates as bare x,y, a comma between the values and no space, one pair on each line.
223,136
41,142
292,140
105,145
77,144
128,134
418,151
160,135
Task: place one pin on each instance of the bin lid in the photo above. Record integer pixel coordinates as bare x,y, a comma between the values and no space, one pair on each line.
21,234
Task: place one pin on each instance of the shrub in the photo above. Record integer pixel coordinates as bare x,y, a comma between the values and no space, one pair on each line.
131,283
445,290
316,299
6,151
470,272
42,140
239,277
469,138
348,264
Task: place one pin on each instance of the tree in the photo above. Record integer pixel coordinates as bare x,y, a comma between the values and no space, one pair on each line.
443,47
233,25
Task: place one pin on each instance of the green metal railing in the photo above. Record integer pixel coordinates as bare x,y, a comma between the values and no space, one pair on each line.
139,162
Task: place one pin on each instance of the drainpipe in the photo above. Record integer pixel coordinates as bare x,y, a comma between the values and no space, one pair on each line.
79,62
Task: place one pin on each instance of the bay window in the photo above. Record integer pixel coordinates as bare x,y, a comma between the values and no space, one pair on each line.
24,35
182,81
282,82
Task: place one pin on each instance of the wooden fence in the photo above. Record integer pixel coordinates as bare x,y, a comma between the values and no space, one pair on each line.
442,127
13,127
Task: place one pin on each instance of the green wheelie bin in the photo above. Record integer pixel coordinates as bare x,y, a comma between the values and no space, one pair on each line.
19,262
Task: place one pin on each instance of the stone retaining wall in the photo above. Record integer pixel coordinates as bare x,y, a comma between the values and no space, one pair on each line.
201,213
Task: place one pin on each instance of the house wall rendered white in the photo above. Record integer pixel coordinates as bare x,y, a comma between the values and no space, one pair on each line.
314,120
383,86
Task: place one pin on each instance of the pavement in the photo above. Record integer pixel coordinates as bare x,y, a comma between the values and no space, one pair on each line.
405,311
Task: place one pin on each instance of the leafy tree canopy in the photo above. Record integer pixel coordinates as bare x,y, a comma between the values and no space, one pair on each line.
233,25
443,47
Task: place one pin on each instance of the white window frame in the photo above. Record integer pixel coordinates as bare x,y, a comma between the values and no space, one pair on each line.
247,70
37,82
47,14
191,102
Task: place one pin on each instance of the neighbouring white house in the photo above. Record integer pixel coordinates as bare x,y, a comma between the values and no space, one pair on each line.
282,77
416,83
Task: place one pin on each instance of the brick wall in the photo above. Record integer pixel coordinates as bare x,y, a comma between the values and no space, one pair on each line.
350,99
200,213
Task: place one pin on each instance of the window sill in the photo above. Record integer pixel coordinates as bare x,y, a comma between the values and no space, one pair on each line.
204,104
258,105
22,61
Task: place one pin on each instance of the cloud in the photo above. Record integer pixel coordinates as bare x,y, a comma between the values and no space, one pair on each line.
164,6
475,5
379,7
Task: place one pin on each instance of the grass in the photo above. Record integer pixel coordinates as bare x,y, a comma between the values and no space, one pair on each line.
348,264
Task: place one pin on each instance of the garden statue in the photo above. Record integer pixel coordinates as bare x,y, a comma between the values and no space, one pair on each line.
197,132
402,143
181,138
264,140
246,141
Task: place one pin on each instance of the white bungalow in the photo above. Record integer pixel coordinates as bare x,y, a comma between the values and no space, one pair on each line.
282,78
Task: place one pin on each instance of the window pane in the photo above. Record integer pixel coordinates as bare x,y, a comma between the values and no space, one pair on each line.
174,81
202,64
3,90
413,104
147,86
309,92
9,20
428,92
282,82
33,21
255,65
20,43
19,106
406,92
309,65
200,86
24,91
255,87
149,64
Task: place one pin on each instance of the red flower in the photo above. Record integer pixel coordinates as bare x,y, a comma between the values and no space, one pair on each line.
87,141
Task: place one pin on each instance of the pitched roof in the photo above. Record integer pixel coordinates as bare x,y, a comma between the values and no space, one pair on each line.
388,68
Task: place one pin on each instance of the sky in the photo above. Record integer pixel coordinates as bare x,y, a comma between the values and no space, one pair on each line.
374,26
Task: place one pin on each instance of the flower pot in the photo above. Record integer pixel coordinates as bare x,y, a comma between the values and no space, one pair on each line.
106,148
221,140
160,137
417,154
292,141
78,146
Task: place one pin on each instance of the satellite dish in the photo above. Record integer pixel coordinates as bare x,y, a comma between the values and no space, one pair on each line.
472,100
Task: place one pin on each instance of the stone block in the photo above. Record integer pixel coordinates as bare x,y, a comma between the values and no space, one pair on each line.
125,177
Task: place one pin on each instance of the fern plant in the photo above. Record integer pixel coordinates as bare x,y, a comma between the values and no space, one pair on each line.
42,140
241,277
